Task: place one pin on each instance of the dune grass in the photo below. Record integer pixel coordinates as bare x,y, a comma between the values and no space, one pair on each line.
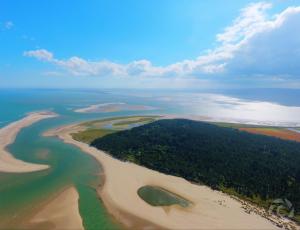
87,136
120,120
95,129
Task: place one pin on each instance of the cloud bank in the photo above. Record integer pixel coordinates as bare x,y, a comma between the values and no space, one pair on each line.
255,44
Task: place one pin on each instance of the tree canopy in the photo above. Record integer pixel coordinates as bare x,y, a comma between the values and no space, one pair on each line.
223,158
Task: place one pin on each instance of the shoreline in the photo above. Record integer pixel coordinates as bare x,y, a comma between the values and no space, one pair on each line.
8,163
210,210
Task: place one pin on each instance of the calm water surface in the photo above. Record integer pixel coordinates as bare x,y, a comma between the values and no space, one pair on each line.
22,193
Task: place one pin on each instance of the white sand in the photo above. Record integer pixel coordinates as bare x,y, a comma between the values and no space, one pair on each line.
122,180
60,213
7,136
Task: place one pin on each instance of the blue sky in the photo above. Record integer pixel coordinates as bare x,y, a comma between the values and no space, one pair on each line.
151,44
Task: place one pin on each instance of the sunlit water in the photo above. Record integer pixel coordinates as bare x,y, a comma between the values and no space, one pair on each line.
22,193
279,107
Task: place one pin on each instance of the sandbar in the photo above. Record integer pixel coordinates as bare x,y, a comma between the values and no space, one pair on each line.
62,212
112,107
8,135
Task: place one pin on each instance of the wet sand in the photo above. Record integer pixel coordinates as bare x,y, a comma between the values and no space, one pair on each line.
62,212
209,210
7,136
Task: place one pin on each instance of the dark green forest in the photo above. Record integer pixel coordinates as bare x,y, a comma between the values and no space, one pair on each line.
257,167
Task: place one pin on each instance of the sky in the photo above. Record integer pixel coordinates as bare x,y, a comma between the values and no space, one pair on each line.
149,44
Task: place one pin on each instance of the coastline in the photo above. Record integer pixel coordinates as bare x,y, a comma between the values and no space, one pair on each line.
210,210
8,135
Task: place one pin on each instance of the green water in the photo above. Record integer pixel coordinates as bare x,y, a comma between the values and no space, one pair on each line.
21,193
157,196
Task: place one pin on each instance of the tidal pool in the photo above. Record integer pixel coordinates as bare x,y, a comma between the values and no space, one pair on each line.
157,196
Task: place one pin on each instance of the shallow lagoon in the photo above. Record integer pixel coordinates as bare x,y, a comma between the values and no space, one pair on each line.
22,194
157,196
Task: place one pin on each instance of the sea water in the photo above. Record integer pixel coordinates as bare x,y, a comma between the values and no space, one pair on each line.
21,194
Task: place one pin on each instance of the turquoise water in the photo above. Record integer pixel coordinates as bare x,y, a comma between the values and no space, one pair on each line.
16,103
20,194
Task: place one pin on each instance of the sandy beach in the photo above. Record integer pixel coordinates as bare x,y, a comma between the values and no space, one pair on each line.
60,213
210,210
7,136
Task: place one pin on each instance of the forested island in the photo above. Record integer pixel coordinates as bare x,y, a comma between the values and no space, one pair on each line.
256,167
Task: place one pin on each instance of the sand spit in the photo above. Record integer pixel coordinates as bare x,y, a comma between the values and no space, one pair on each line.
7,136
112,107
99,108
60,213
210,210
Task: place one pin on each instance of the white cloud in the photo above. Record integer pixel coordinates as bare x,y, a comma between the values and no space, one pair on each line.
81,67
40,54
273,50
251,20
255,43
139,67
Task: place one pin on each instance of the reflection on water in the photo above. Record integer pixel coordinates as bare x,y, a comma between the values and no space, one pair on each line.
225,108
70,166
265,106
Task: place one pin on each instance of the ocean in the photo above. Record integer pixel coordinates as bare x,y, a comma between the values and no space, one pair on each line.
22,193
